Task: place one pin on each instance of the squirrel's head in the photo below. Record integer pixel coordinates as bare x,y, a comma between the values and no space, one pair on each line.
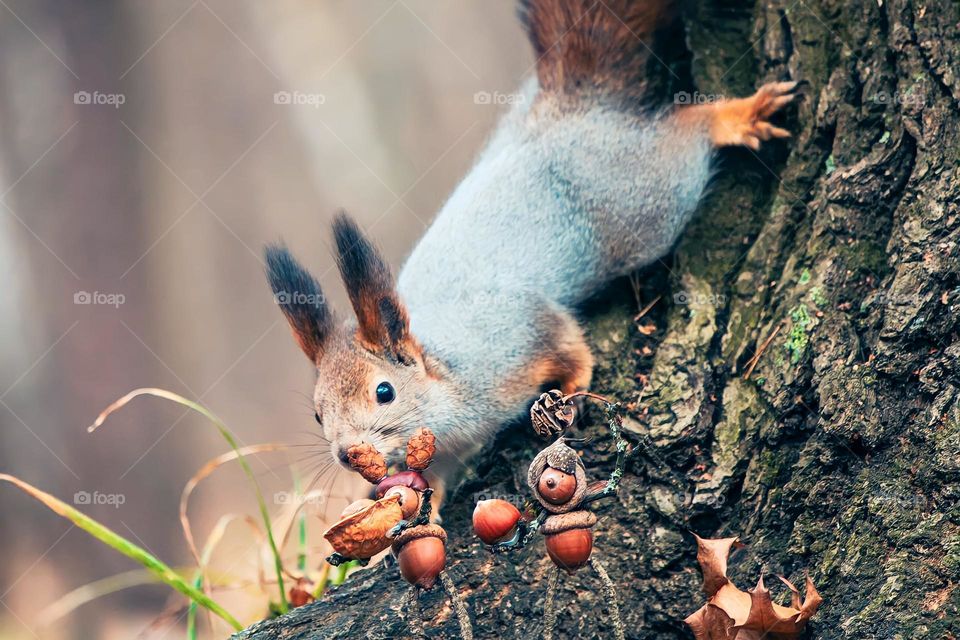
371,376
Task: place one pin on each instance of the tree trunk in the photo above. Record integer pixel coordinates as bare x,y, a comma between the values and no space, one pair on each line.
832,262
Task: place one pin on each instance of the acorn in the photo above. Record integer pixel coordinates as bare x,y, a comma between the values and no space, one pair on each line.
557,487
420,449
421,554
553,465
411,479
409,499
495,520
569,539
367,461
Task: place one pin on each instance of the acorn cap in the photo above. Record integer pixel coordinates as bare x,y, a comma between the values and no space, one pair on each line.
420,449
367,461
363,534
561,522
559,456
420,531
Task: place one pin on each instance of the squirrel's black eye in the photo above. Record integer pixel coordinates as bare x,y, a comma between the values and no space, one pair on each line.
316,416
385,393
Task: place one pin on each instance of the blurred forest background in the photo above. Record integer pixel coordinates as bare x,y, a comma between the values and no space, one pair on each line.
145,158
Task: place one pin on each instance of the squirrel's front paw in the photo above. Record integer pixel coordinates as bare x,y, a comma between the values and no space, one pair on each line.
745,121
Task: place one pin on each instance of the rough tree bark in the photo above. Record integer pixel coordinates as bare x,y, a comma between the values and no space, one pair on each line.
840,454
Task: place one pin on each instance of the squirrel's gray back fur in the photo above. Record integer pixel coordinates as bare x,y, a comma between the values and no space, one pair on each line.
556,206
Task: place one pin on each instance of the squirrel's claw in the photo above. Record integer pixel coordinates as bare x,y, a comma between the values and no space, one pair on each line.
744,121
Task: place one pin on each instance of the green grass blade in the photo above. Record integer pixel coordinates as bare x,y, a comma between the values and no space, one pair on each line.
105,535
301,529
284,605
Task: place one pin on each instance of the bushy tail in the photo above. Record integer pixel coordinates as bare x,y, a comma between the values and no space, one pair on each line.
593,47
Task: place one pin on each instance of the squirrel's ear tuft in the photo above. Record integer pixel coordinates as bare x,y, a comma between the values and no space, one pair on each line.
301,300
384,326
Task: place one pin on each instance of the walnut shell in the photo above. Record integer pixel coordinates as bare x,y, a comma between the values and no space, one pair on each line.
363,534
420,449
367,461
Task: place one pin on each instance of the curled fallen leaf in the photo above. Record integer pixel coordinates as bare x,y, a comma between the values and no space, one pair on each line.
732,614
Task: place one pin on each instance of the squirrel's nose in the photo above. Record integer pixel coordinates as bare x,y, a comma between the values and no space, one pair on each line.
342,456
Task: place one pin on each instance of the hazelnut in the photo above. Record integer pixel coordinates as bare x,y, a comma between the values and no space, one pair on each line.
557,487
409,500
495,520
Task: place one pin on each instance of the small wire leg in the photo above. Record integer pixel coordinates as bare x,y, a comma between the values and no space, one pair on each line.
549,607
466,629
611,591
414,615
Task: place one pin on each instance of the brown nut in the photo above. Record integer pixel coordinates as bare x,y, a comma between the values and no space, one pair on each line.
363,534
367,461
409,500
557,487
558,456
495,520
570,549
420,449
421,554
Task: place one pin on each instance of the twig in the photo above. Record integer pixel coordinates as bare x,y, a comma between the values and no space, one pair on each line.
466,629
647,308
550,606
752,363
415,617
611,592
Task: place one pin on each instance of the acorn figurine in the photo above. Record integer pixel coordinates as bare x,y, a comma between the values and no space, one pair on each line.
558,481
398,519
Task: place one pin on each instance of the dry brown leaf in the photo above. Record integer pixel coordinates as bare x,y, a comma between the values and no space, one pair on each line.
732,614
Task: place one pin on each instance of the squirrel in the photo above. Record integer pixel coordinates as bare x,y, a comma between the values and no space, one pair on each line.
581,182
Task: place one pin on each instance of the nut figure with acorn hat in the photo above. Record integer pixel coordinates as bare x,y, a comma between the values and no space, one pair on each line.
399,519
557,478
